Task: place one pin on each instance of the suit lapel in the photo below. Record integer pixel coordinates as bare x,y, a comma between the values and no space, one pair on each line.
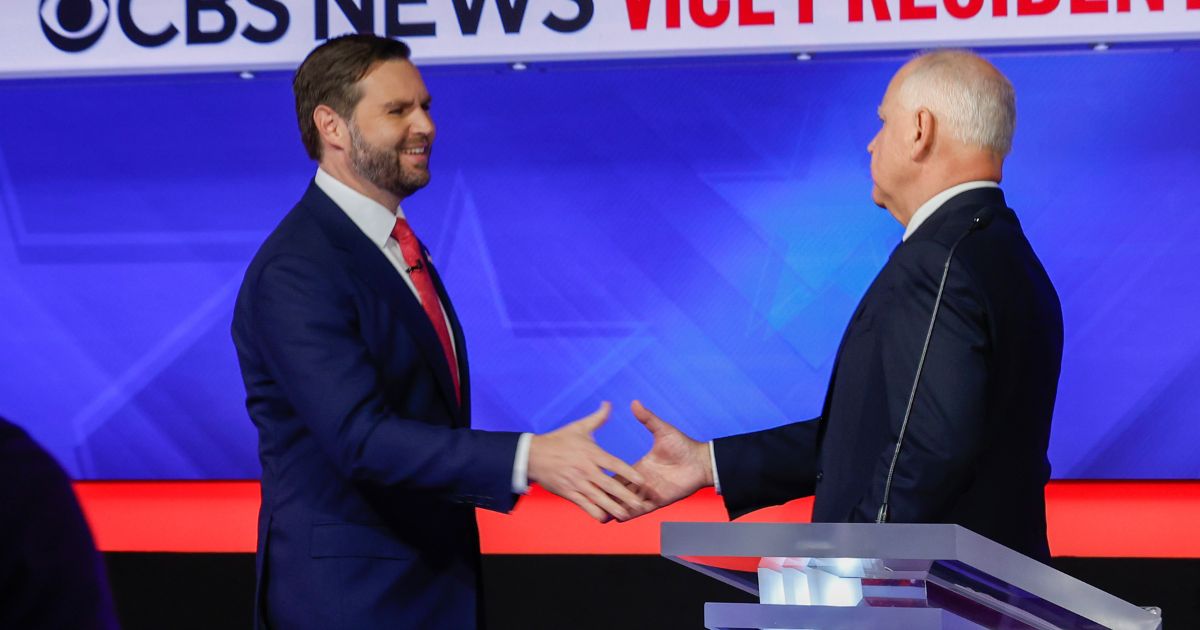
373,266
460,342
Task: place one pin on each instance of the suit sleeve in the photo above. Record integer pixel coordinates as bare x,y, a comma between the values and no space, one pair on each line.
767,467
947,425
305,325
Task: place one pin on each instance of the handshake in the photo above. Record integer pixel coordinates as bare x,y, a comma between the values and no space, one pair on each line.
569,463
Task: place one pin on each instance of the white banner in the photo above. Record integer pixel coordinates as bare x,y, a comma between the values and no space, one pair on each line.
78,37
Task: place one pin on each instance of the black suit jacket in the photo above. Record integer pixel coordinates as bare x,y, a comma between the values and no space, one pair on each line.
975,449
370,471
50,574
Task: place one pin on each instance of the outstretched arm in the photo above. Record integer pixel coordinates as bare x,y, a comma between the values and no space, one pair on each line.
303,330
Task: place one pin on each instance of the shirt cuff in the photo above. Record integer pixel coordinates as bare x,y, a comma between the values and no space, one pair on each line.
712,456
520,474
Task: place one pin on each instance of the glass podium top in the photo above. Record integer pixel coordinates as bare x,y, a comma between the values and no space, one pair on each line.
864,575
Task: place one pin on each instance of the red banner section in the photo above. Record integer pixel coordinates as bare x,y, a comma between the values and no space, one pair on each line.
1130,519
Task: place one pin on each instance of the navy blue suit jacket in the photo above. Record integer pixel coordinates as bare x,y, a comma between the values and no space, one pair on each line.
370,471
975,449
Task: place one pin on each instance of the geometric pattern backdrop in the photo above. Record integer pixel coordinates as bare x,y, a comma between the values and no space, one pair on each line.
693,233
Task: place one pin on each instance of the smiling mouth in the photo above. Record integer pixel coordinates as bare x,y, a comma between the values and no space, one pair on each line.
416,151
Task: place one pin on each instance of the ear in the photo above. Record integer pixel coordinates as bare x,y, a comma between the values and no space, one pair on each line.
924,126
334,131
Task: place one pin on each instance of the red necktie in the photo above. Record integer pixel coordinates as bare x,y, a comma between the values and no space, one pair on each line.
419,273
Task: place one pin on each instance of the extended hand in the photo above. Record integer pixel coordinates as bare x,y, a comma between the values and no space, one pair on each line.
569,463
676,465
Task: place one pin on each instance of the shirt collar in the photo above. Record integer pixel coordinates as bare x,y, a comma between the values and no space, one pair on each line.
929,207
372,218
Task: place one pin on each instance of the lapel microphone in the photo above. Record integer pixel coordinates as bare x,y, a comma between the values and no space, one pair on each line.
420,266
978,222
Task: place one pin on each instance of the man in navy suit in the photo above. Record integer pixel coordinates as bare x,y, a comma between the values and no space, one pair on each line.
974,448
355,369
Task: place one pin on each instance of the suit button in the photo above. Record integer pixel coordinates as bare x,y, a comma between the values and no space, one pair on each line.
820,476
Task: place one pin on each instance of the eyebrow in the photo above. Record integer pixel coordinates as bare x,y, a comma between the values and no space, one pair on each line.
404,104
397,104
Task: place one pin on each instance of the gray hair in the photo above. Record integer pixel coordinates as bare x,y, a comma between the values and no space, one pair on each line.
977,105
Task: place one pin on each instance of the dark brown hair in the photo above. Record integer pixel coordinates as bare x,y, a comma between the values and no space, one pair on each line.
330,74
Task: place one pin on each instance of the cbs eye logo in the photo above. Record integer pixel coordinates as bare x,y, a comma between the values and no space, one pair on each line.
73,25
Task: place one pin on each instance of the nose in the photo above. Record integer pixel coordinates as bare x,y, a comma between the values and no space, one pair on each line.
871,144
423,124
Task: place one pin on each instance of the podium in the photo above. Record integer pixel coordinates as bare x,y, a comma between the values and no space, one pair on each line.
864,576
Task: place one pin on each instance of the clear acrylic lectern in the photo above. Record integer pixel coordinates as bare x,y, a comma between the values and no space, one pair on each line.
860,576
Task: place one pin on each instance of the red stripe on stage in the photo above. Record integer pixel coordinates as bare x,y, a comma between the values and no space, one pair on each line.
1124,519
186,516
1132,519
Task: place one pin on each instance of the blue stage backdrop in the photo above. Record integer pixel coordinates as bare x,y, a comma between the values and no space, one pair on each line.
693,233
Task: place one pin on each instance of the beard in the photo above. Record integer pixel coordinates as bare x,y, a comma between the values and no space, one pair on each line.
384,167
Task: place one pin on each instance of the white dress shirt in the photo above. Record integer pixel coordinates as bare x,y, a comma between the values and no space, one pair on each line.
377,222
924,212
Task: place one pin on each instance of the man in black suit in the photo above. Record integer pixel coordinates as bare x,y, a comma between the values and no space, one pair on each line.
356,377
974,446
50,574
